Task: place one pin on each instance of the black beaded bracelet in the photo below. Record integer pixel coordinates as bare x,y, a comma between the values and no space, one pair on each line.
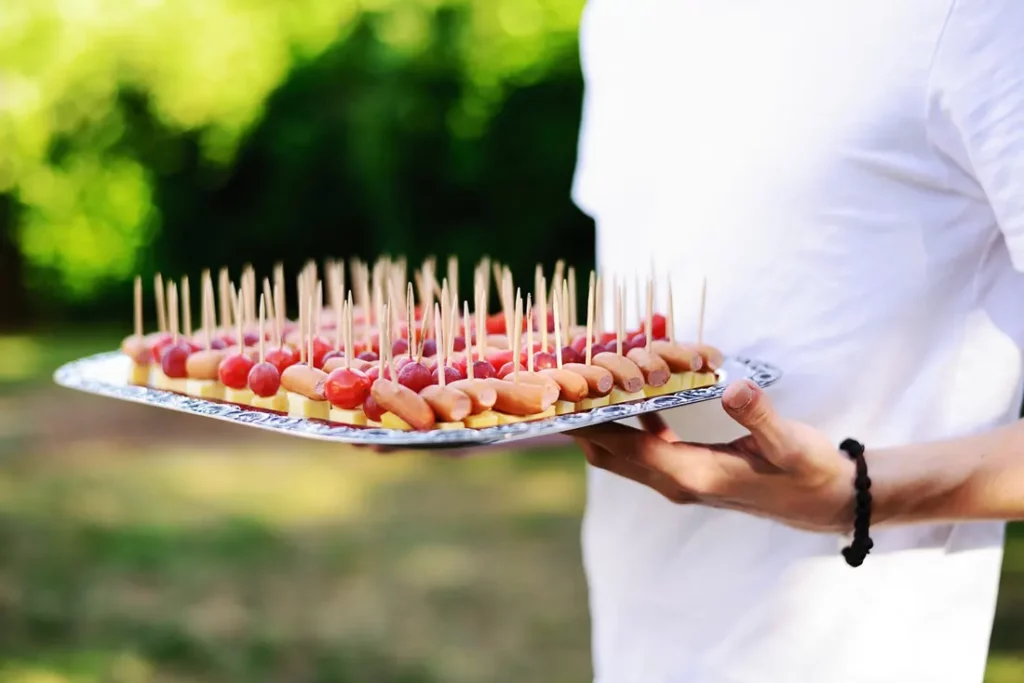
861,544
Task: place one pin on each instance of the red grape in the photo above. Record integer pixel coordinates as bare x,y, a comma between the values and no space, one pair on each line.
331,354
450,375
429,348
459,344
346,388
368,355
374,373
402,362
498,357
372,408
580,344
280,358
571,355
399,346
414,376
264,379
174,359
482,369
543,361
320,349
251,338
607,337
496,323
158,347
507,369
233,371
659,326
637,341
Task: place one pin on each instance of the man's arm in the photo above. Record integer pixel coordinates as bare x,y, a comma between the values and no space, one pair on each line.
977,477
792,473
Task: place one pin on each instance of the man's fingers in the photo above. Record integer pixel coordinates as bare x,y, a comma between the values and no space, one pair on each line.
601,458
746,403
631,444
691,466
654,424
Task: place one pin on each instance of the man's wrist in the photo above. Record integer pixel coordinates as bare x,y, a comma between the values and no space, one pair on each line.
884,467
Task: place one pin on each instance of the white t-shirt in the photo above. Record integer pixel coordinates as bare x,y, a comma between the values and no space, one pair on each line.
850,178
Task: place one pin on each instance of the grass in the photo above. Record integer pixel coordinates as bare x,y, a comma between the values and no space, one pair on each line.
138,547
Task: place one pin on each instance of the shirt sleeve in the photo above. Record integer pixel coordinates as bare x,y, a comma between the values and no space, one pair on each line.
976,106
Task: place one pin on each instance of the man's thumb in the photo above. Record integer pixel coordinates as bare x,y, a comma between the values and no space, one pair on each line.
746,403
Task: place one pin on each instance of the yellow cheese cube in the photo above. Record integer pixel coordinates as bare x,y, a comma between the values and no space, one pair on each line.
450,425
589,403
704,379
159,379
300,406
175,384
205,388
620,396
278,402
488,418
550,412
392,421
242,397
674,384
564,407
139,375
374,424
356,418
513,419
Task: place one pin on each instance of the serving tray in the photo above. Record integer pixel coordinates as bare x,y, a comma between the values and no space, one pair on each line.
106,374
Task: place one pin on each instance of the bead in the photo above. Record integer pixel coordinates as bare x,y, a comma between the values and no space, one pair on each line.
863,482
853,558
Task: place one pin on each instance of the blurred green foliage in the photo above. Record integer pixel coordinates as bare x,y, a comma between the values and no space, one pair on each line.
142,135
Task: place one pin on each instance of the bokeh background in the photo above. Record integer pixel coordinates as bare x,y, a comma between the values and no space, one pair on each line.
146,135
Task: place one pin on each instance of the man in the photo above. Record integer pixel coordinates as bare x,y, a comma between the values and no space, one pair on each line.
850,178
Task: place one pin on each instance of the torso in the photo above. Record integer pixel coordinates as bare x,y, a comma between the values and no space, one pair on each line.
783,150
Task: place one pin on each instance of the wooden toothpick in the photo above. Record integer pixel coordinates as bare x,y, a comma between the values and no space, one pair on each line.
186,306
590,316
263,313
440,338
649,318
529,333
517,338
468,336
671,317
310,357
558,332
172,308
161,306
237,301
571,304
350,342
137,306
619,289
700,318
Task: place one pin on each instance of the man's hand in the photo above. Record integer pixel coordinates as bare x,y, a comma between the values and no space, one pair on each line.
782,470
